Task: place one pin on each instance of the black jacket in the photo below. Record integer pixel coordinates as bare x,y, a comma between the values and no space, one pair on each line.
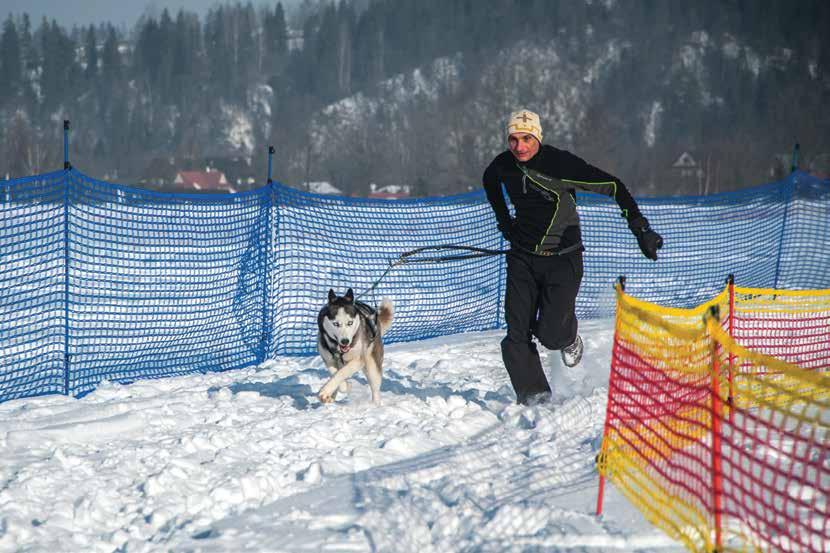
543,193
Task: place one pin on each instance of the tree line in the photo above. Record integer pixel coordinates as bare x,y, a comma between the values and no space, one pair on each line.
173,83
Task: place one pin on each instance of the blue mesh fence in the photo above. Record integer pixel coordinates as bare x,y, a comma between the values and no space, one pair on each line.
163,284
804,257
33,286
102,281
325,242
706,238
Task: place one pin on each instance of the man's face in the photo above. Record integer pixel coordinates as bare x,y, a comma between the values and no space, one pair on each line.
523,146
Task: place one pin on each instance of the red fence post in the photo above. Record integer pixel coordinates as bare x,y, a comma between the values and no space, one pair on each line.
717,484
731,399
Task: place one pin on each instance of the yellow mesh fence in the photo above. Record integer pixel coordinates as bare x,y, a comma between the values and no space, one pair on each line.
718,416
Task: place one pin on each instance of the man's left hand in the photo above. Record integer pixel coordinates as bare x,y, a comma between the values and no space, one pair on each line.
648,240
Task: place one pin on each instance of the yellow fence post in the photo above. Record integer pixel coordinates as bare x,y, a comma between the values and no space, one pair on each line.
620,287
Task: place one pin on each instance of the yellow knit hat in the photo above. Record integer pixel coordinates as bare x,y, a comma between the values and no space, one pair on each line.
525,121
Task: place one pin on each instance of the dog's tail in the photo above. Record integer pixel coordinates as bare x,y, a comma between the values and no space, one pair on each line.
385,313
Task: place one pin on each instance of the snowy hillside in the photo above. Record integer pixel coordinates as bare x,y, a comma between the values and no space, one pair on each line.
546,76
540,75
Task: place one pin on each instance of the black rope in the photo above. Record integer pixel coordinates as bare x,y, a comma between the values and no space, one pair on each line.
477,252
404,258
375,285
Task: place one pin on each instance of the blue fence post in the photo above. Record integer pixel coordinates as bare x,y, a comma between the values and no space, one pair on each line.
267,331
65,180
270,157
791,183
66,164
794,164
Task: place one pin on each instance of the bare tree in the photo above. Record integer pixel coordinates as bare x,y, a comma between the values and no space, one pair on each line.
24,150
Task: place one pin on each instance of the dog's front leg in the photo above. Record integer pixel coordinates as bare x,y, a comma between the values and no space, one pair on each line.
345,387
328,390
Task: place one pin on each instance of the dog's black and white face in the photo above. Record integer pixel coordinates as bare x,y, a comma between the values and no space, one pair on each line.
342,320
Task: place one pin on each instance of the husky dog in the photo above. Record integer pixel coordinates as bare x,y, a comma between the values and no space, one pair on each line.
349,338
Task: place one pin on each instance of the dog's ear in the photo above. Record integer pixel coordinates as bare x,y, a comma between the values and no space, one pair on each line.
332,296
349,297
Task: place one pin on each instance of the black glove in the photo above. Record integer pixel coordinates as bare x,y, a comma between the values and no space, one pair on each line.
648,240
507,229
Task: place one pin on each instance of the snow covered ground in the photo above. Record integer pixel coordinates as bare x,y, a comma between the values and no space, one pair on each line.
249,460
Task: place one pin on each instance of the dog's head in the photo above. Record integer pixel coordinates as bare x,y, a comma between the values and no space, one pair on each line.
342,320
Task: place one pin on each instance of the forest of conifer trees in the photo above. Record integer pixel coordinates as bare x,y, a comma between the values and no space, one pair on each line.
171,86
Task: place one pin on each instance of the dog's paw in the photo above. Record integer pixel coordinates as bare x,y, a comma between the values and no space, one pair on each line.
325,397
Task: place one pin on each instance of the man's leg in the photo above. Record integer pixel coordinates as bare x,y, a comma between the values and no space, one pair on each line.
521,358
558,326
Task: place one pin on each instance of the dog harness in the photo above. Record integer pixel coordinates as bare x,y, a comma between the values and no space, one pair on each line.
371,317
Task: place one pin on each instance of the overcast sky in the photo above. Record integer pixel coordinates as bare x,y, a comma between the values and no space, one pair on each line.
118,12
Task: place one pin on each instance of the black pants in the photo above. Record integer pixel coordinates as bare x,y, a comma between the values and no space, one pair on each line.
540,301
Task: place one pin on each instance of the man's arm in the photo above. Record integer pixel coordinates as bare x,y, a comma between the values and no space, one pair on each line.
492,187
576,171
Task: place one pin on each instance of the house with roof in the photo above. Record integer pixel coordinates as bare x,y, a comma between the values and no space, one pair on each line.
687,167
322,187
237,169
209,180
686,175
389,192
